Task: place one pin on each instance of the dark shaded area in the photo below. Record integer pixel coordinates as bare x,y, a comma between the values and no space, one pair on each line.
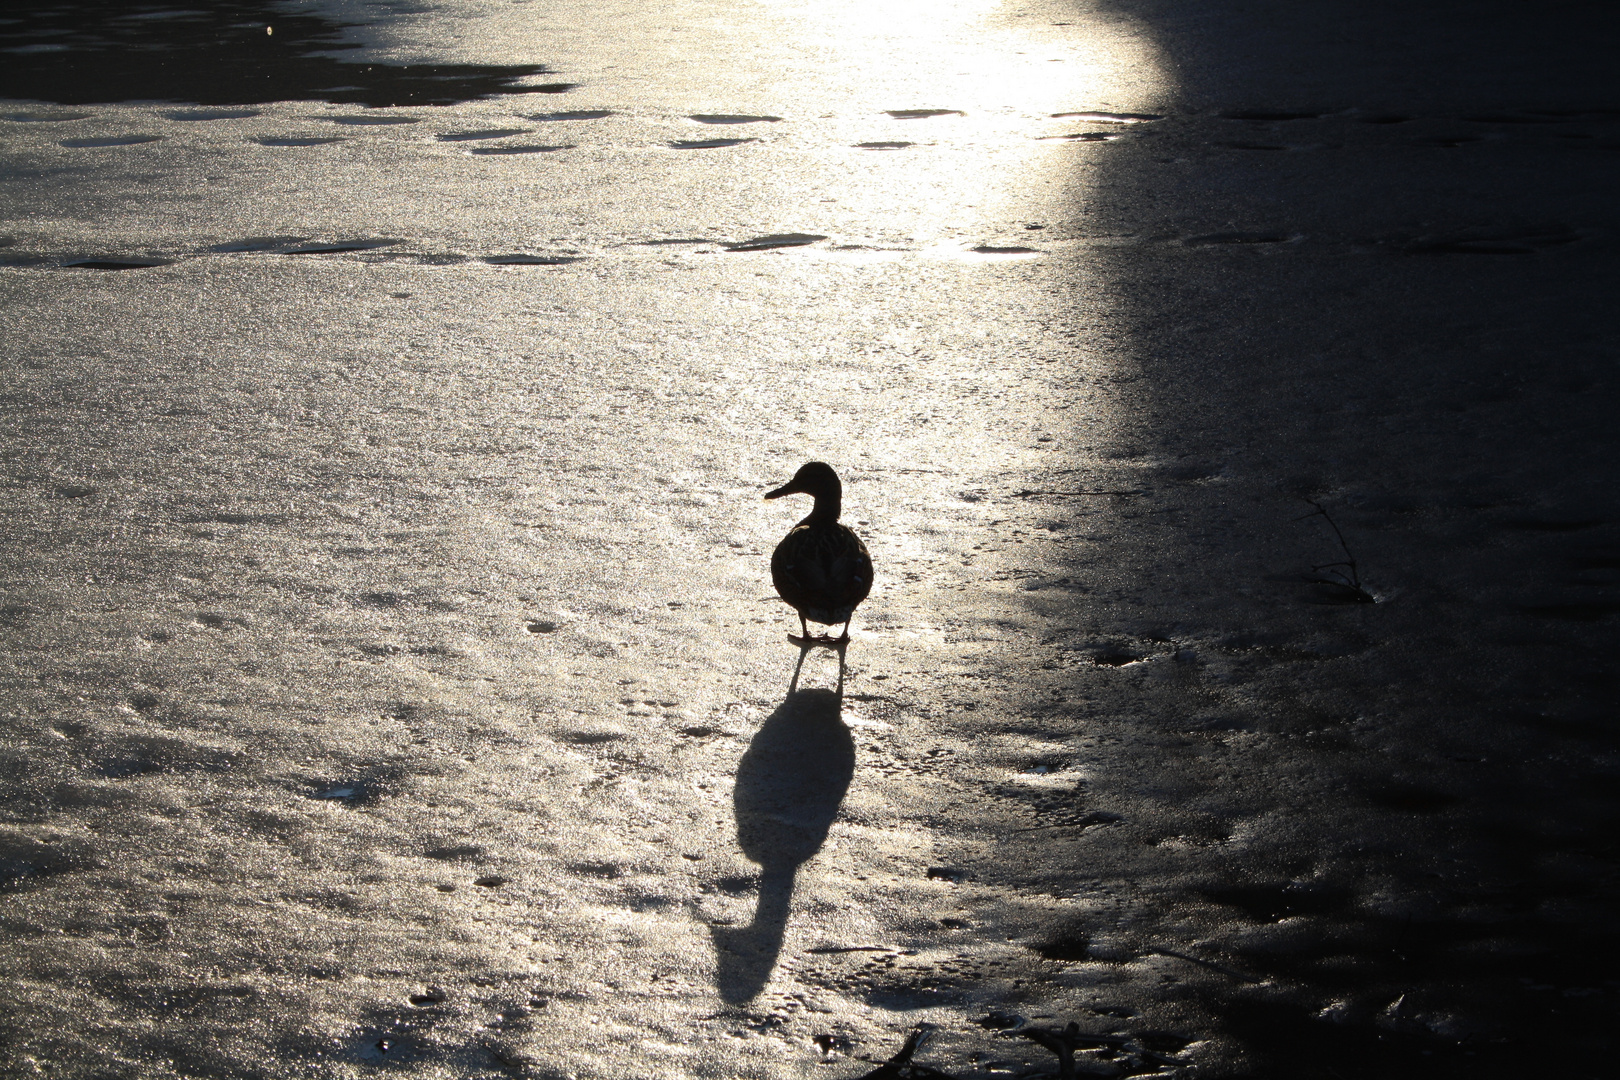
219,54
789,786
1541,984
117,264
1402,312
25,861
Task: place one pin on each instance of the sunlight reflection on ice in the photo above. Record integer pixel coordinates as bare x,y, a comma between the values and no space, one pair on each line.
962,75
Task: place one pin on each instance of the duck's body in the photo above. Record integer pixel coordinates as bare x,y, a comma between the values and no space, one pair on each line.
820,568
823,571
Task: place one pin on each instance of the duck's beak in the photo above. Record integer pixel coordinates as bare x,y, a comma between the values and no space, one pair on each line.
785,489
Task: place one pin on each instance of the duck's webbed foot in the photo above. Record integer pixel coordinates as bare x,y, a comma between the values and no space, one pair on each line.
826,640
804,640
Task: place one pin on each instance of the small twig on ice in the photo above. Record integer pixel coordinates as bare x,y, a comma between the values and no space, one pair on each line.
1344,573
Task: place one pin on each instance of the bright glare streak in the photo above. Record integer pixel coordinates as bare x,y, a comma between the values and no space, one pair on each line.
964,92
953,54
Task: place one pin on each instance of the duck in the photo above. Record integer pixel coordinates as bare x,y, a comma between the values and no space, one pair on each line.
821,568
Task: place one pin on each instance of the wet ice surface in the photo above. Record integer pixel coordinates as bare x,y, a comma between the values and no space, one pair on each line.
392,676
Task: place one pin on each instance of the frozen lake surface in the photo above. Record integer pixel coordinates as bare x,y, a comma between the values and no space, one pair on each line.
392,678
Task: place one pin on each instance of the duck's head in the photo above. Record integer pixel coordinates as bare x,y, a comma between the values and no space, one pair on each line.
816,478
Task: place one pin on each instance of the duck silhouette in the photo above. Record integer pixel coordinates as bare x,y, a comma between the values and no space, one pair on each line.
820,568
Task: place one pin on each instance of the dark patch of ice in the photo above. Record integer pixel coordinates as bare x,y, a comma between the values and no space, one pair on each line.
220,55
723,118
474,136
776,240
1069,945
117,264
16,616
707,144
190,115
592,738
112,140
1271,901
25,860
256,243
144,755
341,246
912,990
606,870
455,853
1410,798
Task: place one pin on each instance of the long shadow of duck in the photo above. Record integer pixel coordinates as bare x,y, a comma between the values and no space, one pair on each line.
789,785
